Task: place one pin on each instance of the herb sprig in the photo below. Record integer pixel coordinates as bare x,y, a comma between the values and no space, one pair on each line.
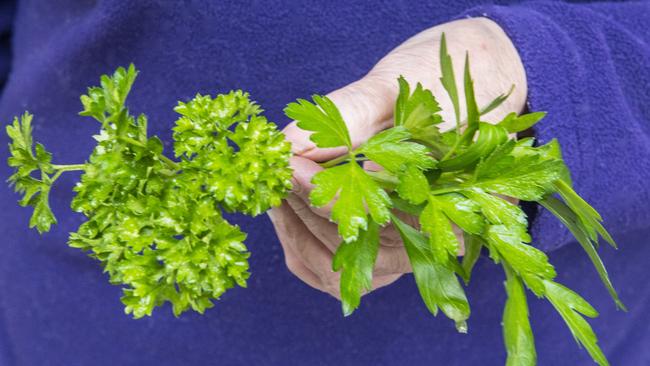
458,177
156,224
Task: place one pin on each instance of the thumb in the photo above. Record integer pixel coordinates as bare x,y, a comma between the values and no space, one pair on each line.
366,107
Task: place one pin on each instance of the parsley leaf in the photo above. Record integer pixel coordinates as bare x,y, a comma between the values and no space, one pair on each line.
496,102
392,150
570,305
528,177
357,193
408,160
323,119
26,159
462,211
448,79
570,220
470,100
437,283
356,261
514,123
443,241
497,210
527,261
490,136
418,112
517,334
473,245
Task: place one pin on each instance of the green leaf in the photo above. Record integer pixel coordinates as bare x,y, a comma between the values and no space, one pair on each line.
570,220
496,102
407,160
25,159
570,305
496,210
527,261
323,119
437,283
413,185
418,113
490,136
473,245
42,217
250,178
517,334
393,152
356,261
406,206
587,215
442,239
527,177
462,211
109,99
401,102
357,193
514,123
470,100
448,79
205,121
548,151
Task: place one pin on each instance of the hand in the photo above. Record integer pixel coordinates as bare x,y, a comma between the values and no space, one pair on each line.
308,238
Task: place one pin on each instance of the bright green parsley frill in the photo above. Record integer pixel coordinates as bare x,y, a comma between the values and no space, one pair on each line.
155,224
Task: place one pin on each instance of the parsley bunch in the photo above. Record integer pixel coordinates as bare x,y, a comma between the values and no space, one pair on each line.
446,178
157,226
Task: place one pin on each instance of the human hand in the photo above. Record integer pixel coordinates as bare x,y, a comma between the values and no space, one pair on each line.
308,238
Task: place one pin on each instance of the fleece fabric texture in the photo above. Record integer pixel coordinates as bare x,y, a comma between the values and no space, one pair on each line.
588,65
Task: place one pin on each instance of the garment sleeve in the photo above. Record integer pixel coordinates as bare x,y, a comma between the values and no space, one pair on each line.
588,66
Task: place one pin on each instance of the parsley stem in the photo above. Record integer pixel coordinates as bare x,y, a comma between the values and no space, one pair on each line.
60,169
170,163
453,148
334,162
340,159
69,167
468,134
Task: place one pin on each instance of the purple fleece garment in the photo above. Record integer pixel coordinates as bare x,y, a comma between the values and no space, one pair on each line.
588,65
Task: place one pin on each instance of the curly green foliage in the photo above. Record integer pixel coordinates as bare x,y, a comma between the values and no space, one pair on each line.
156,225
245,168
458,178
26,160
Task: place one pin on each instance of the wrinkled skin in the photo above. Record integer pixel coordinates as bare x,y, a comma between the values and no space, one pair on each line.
308,238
